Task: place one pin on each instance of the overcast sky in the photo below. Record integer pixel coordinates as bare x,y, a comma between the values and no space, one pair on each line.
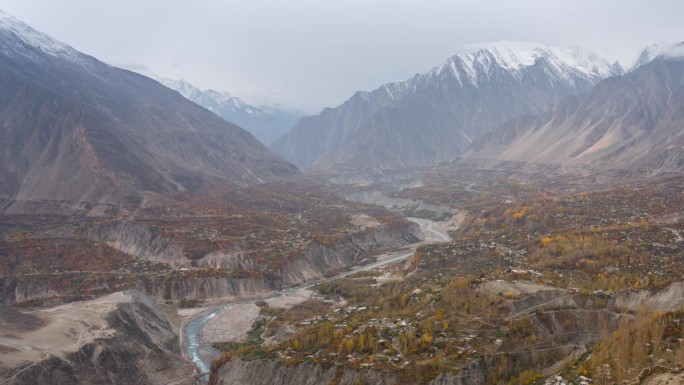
314,53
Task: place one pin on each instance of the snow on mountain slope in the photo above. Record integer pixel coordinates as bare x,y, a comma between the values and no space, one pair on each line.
647,55
36,39
75,129
266,123
431,117
633,122
567,63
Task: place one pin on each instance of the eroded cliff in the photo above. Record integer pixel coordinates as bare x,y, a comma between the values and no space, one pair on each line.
122,338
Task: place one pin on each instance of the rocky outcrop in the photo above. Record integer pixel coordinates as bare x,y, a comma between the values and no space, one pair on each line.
140,346
266,372
14,290
207,287
659,375
320,260
137,240
669,299
39,291
316,262
250,278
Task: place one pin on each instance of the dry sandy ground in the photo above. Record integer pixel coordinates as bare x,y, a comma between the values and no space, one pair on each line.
665,379
64,329
188,313
445,227
669,299
517,288
427,235
289,300
452,223
388,274
364,221
233,324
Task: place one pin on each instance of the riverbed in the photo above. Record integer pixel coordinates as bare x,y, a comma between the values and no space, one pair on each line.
201,352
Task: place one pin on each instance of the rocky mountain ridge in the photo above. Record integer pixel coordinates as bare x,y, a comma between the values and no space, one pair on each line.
633,122
266,123
74,129
432,117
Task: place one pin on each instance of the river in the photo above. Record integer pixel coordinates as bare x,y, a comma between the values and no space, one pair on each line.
193,329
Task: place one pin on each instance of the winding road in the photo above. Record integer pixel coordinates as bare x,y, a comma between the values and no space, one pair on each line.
195,346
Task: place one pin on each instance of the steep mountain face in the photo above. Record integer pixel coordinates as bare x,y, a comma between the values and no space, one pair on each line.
266,123
432,117
75,129
646,56
634,122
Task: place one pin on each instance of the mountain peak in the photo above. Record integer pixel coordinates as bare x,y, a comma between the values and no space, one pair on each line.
647,55
35,38
107,134
654,51
431,117
510,55
631,122
618,69
515,57
192,92
266,123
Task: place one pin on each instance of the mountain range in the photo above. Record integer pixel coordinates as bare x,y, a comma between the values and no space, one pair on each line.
75,129
433,117
266,123
632,122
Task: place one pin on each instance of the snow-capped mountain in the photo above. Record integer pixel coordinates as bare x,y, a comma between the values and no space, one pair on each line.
647,55
75,129
567,65
633,122
432,117
266,123
33,38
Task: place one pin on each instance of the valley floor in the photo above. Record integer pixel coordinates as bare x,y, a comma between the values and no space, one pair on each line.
517,278
543,278
233,320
